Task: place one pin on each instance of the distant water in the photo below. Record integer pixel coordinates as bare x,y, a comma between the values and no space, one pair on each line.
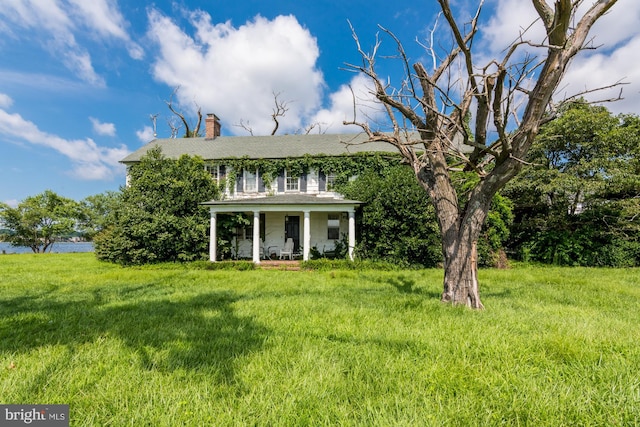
58,247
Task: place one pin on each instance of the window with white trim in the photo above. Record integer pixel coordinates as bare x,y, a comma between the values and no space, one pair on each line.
214,171
291,183
330,180
250,181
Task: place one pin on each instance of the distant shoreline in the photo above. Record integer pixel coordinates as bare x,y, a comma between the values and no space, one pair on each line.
58,247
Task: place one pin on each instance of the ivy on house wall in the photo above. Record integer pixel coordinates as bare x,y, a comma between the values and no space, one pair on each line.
342,167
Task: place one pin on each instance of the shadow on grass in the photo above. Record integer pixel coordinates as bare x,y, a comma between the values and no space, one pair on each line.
166,333
408,286
504,293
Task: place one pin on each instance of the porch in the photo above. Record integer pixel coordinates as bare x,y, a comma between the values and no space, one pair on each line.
310,221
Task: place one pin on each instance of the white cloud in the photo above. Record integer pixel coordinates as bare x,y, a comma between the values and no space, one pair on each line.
145,134
106,129
513,19
11,202
43,82
90,161
78,60
57,22
618,25
5,101
600,70
51,19
615,59
515,16
104,17
342,108
235,71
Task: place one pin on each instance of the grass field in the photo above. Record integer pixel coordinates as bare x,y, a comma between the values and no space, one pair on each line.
173,346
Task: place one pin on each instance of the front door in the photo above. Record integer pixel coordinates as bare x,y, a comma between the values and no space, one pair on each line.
292,230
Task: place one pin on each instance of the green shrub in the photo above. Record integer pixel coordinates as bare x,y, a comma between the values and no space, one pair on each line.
397,222
325,264
158,217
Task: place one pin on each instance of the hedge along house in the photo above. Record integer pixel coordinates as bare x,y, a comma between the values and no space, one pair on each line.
283,183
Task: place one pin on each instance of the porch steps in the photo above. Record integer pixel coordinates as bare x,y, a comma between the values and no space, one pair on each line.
287,265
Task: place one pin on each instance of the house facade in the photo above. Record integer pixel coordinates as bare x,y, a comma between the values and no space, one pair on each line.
284,203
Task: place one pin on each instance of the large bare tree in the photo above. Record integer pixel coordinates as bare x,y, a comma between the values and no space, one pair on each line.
458,103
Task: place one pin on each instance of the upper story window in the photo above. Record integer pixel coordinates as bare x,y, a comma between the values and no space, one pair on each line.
214,171
331,180
250,181
291,183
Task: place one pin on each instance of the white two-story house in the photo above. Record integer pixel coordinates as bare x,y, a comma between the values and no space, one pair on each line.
300,208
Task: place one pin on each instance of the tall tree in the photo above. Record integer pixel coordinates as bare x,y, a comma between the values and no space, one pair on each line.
38,221
430,113
577,202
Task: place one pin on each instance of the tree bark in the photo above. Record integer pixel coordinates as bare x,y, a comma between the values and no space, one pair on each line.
459,233
461,274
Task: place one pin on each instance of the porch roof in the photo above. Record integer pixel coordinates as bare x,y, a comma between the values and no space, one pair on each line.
281,203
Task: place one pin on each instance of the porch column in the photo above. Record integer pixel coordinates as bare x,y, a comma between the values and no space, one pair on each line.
306,245
352,233
256,237
213,237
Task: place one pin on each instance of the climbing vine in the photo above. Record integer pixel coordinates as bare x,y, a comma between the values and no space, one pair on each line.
342,167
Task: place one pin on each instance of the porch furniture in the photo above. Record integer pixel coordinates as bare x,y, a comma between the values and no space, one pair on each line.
264,254
288,249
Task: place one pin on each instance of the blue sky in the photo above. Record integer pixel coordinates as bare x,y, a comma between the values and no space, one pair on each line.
80,79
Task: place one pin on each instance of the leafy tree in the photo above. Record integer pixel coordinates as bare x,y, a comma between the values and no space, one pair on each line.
578,203
429,107
229,227
395,226
158,217
38,221
95,211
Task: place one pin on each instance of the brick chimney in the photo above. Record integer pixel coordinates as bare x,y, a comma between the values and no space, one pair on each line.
212,126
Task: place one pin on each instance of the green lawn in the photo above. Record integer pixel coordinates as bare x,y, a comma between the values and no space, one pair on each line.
173,346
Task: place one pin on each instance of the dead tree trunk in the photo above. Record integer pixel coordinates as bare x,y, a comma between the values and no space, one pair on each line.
459,233
461,274
429,119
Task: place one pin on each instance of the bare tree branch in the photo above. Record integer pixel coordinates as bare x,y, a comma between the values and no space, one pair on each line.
246,126
279,111
188,132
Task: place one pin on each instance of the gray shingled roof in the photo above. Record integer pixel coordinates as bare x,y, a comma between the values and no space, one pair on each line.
263,147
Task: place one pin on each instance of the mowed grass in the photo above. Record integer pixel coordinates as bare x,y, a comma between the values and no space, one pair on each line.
173,346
